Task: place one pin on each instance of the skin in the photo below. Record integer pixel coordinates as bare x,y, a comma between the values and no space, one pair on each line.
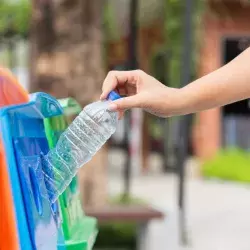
226,85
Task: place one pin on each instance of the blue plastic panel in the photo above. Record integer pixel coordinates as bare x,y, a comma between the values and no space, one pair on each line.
25,141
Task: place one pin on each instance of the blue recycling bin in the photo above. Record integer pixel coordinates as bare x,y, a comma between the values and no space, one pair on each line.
24,139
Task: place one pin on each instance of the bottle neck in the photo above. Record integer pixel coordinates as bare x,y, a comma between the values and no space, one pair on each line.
112,96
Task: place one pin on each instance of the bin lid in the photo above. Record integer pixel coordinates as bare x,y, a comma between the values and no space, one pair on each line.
70,106
24,140
55,125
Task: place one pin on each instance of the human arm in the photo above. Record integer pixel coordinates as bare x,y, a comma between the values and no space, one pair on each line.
228,84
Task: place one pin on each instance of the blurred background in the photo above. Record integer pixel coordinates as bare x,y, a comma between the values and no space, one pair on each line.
193,169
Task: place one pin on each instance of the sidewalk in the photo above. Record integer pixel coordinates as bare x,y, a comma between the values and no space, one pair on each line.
218,213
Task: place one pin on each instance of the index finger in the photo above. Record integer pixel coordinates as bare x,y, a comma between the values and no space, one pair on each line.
114,79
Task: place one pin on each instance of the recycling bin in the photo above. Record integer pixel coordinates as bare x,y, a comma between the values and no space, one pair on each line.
79,230
25,142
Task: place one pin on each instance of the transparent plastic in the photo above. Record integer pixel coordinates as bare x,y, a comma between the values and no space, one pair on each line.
77,145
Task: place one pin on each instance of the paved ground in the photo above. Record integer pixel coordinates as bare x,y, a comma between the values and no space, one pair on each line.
218,213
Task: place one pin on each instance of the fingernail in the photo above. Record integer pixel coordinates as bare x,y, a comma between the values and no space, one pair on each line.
113,107
101,97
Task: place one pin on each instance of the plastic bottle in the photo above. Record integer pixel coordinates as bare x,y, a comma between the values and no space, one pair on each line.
78,144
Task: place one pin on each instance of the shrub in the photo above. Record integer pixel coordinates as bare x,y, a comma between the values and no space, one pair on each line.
230,164
118,235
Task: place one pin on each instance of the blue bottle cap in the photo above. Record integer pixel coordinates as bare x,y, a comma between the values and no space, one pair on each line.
112,96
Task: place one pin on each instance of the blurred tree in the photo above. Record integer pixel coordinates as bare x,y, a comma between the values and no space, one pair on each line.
174,32
14,18
174,36
14,26
66,60
172,51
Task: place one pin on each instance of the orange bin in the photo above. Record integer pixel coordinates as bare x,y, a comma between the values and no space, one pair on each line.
11,92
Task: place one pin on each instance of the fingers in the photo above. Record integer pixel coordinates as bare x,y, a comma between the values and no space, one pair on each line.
125,103
121,114
117,79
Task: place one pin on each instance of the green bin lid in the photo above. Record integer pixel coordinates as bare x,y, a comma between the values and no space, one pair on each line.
70,106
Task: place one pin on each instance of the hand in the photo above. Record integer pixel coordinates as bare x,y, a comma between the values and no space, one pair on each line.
141,91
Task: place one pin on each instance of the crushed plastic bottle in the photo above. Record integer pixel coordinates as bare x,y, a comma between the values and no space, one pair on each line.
78,144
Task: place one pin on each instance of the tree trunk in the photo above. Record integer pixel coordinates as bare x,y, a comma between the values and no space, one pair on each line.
66,60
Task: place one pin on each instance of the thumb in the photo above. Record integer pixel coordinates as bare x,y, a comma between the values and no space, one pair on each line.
125,103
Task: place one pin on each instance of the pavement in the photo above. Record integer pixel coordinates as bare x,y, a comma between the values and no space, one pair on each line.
218,213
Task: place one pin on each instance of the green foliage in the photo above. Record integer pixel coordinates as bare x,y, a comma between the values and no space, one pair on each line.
109,29
116,235
126,200
109,22
174,38
231,164
15,17
174,27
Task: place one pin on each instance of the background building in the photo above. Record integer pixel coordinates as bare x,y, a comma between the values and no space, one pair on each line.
226,33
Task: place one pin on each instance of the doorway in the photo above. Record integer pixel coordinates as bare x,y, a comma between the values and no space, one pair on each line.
236,116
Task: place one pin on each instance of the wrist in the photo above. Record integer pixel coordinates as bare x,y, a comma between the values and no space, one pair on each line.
177,101
185,102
